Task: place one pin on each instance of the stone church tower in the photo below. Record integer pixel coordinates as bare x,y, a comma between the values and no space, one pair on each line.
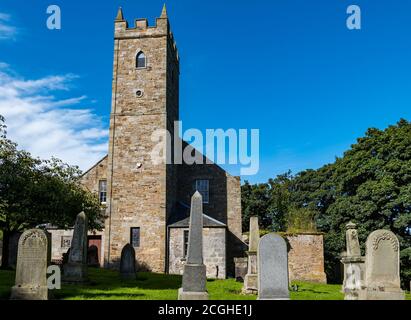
144,99
147,204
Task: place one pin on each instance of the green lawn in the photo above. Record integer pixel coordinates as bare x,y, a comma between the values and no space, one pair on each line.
106,284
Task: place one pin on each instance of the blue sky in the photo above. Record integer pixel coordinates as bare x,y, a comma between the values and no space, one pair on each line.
290,68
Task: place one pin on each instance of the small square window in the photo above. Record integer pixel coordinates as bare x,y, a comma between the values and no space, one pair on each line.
135,237
202,186
65,242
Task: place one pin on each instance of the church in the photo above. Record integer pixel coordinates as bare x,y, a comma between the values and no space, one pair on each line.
148,204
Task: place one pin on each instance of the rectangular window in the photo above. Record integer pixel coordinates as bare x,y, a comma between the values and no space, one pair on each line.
185,245
202,186
135,237
102,191
65,242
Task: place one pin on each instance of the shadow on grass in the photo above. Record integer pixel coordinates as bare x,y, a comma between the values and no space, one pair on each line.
103,296
108,284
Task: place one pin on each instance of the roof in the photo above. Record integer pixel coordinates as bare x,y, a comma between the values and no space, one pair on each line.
181,218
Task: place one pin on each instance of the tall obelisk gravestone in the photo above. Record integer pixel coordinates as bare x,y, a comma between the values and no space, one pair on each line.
251,279
76,268
194,276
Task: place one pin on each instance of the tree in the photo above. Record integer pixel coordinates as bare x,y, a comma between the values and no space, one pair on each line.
35,192
370,185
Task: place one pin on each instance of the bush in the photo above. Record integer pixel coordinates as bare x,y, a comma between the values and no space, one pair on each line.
300,220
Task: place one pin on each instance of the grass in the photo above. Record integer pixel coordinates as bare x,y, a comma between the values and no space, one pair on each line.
107,285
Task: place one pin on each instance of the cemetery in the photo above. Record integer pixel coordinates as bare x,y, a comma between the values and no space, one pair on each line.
373,277
132,228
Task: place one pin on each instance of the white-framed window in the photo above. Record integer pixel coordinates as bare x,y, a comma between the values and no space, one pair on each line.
202,186
185,242
65,242
102,191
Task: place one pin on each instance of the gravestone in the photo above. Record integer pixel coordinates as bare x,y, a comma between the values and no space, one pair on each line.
354,267
128,262
241,266
273,268
251,279
31,269
13,248
382,267
76,268
92,257
194,275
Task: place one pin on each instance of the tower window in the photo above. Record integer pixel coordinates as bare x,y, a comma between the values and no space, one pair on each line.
141,60
202,186
102,191
185,242
135,237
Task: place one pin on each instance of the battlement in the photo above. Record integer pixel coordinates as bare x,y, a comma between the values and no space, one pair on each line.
142,29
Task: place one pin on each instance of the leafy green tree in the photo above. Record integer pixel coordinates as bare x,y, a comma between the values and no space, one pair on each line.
370,185
35,192
255,201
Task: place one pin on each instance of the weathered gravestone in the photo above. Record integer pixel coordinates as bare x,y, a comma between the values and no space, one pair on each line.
76,268
382,267
251,279
273,268
128,262
194,275
92,256
354,267
241,266
31,270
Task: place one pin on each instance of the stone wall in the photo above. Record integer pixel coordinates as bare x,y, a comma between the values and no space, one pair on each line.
214,254
58,247
91,178
139,193
306,257
224,202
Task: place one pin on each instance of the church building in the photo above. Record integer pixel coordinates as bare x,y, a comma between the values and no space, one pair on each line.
147,204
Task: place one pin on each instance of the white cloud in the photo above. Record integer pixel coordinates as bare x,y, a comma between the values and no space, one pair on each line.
7,31
47,126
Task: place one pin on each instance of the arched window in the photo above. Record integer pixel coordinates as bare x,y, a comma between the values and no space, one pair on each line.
141,60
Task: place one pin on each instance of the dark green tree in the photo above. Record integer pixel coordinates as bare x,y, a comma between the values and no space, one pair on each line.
370,185
35,192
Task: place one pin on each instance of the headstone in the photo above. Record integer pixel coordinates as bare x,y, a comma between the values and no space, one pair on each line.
31,270
273,268
194,275
354,267
65,257
352,242
251,279
92,256
13,248
382,267
128,262
76,268
241,267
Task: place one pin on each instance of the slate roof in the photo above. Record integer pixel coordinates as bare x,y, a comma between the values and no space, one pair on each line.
181,218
